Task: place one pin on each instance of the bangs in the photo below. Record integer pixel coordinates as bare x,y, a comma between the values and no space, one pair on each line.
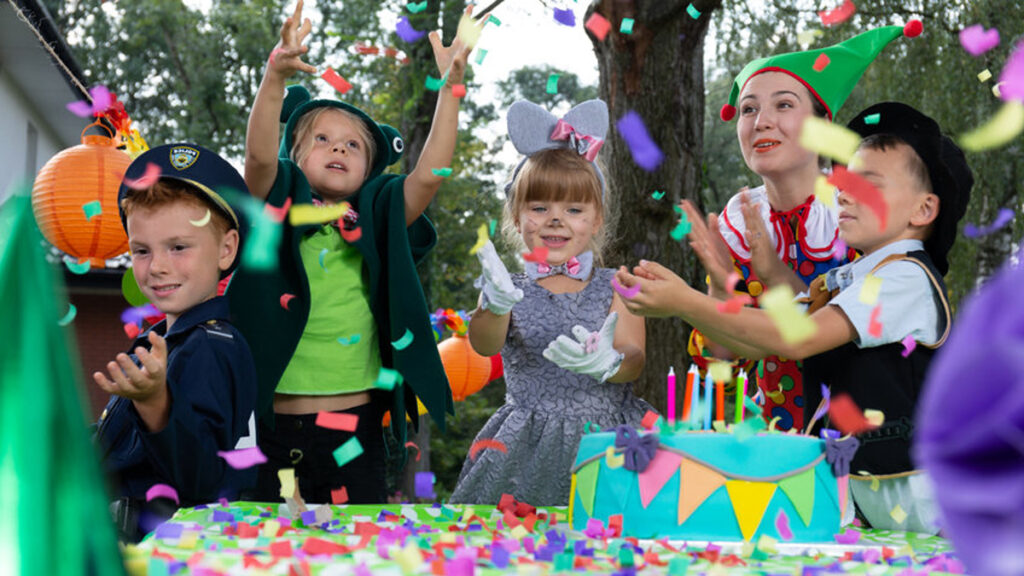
557,175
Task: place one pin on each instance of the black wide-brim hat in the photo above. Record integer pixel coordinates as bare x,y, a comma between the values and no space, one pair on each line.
210,175
947,167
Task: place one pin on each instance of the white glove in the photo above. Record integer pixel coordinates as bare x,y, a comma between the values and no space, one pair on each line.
590,354
499,293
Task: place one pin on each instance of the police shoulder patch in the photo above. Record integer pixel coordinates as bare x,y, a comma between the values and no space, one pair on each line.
183,156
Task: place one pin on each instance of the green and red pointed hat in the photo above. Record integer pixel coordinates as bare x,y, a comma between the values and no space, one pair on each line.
830,73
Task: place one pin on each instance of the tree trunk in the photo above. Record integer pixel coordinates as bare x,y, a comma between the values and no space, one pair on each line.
657,71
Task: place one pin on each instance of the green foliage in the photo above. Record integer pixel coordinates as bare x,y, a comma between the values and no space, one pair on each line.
530,83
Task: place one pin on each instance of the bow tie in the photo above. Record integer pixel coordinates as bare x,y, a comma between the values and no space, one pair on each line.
577,267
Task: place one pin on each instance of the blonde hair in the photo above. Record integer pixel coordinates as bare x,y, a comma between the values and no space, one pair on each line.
560,175
167,192
302,144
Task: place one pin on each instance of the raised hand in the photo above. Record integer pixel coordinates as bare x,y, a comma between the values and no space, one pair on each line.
132,382
591,353
451,60
707,243
661,292
286,58
499,293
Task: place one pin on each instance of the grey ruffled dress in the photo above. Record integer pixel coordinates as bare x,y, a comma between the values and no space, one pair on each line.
546,406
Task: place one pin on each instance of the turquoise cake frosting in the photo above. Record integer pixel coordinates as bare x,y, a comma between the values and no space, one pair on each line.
707,486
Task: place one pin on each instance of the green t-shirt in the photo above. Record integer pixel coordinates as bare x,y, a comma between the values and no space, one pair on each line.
338,352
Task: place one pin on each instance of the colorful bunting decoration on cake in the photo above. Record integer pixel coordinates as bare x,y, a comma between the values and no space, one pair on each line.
800,490
661,468
586,485
696,483
749,502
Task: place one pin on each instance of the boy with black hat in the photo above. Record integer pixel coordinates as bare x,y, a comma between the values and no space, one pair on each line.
875,351
186,390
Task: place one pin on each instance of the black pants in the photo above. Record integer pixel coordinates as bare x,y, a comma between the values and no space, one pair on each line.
297,442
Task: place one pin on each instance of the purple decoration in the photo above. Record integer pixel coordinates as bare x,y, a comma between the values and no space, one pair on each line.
309,517
839,453
406,32
169,530
976,40
826,395
829,433
1011,80
1004,217
639,449
499,556
645,152
971,439
566,17
138,314
220,516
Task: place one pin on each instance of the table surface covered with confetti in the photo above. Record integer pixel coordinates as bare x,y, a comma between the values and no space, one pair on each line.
254,538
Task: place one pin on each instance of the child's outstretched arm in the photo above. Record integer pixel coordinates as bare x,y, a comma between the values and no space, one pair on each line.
146,387
262,136
422,184
631,340
751,332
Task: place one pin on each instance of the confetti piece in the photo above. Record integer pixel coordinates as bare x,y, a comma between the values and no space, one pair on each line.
484,444
976,40
862,191
69,317
434,84
649,420
829,139
352,236
339,496
323,255
824,192
870,289
874,417
387,379
202,221
337,421
720,371
403,342
645,152
898,514
908,345
491,18
598,25
847,416
480,55
794,326
286,476
565,17
336,81
348,451
481,239
767,544
657,195
539,255
1004,217
874,326
552,87
1011,79
806,38
76,266
132,330
148,178
872,119
424,485
459,90
995,90
415,8
304,214
406,32
612,459
244,458
354,339
837,15
626,26
442,172
101,101
285,298
839,249
92,209
411,444
681,229
627,293
735,304
984,76
821,62
693,12
847,537
469,31
1007,123
162,491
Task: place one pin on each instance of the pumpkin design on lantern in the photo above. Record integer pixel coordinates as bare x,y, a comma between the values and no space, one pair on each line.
78,176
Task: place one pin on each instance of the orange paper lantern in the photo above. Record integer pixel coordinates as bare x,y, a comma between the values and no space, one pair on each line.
68,187
467,371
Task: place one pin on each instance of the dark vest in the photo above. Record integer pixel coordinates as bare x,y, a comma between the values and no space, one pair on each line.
878,378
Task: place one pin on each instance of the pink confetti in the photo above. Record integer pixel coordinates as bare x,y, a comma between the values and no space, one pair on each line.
734,304
649,419
839,249
538,256
162,491
339,496
908,345
148,178
285,299
976,40
782,525
244,458
1011,79
627,293
484,444
848,537
874,326
336,421
822,62
837,15
459,90
598,26
731,281
132,330
412,444
277,214
100,97
336,81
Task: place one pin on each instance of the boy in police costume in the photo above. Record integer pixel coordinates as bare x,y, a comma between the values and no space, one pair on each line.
186,389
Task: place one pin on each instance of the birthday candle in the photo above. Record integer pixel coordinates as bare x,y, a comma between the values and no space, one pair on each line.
741,394
694,399
671,396
720,400
690,375
708,385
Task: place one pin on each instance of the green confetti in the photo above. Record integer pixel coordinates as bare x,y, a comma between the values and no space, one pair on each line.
403,342
493,225
91,209
693,12
435,84
69,317
553,84
657,195
130,290
678,566
872,119
749,403
387,379
748,428
415,8
627,26
442,172
77,267
480,55
354,339
681,229
348,451
264,236
493,18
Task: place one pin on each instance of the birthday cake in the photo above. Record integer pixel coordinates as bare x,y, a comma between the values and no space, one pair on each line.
710,486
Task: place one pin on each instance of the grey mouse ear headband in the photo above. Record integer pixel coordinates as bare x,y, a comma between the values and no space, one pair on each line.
533,129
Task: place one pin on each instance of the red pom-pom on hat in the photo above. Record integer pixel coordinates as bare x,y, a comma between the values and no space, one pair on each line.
728,112
913,29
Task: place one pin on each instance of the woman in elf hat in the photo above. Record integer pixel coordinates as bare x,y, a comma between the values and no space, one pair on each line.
779,233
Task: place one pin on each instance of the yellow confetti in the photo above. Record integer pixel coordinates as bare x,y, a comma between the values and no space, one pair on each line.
469,31
270,528
898,514
874,417
824,192
519,532
481,239
874,479
720,371
767,544
869,291
1007,123
287,478
806,38
612,460
792,323
447,538
202,221
995,90
828,139
308,214
409,558
188,539
984,75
